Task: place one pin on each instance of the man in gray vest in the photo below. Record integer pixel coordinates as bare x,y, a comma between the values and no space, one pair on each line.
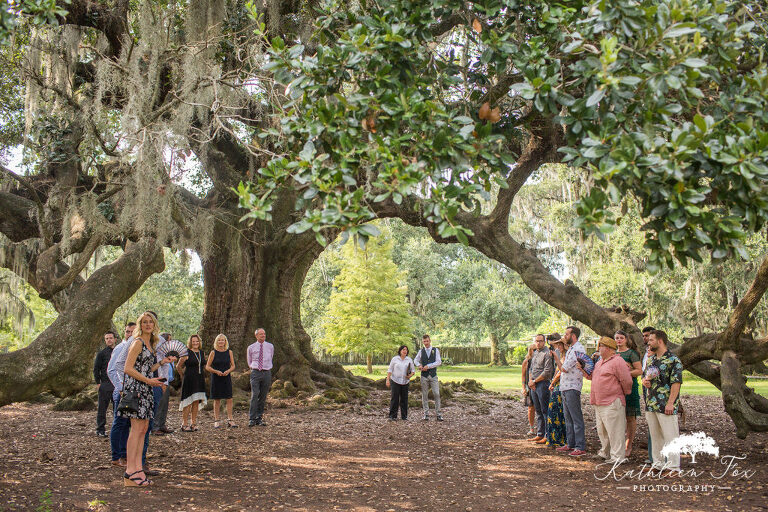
427,360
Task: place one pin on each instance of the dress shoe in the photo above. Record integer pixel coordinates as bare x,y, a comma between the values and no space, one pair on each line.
158,433
150,472
166,430
541,441
119,462
537,439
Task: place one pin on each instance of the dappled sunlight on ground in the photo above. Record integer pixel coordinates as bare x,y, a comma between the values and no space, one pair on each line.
349,459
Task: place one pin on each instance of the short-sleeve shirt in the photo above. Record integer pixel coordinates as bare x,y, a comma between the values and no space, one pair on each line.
670,372
630,356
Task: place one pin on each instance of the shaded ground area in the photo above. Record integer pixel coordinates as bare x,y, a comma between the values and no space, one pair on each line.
352,459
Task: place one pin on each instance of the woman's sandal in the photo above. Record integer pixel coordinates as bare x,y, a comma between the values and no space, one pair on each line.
135,481
193,428
216,424
185,428
231,424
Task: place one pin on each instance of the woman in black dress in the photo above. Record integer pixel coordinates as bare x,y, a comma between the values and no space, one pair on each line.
220,364
139,367
193,386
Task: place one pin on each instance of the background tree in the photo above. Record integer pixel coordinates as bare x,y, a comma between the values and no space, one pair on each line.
368,312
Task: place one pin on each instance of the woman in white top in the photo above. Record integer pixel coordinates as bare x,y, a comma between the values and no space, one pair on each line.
401,369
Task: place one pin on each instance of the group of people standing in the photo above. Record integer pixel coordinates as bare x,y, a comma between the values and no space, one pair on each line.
553,378
132,369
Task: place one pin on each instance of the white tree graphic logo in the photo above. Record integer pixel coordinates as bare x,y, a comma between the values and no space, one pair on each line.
691,444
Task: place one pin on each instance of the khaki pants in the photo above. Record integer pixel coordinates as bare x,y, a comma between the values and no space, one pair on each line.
663,429
611,428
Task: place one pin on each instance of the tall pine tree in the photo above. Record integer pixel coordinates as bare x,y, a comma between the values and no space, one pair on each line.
368,311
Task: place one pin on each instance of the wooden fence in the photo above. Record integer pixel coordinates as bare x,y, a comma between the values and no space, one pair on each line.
458,355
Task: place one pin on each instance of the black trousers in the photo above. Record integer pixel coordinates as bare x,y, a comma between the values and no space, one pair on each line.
105,398
399,398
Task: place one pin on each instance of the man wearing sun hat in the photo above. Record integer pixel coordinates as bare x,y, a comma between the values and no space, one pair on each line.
611,382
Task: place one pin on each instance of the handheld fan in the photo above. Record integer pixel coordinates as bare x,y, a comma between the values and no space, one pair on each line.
586,362
173,348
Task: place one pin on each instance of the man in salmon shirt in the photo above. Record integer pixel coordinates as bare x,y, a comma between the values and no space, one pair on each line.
611,382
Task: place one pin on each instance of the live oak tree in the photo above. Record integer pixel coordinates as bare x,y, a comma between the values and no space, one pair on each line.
368,312
661,102
331,115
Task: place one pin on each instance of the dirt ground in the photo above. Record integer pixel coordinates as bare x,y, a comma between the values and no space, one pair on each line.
353,459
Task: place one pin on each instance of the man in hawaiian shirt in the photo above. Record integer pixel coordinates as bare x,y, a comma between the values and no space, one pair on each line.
662,379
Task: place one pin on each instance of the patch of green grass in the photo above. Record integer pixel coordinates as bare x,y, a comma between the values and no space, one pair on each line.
507,379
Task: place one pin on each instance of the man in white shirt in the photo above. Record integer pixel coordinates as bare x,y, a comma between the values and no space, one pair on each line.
427,360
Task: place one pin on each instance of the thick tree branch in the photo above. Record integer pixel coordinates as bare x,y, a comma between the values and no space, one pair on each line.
740,315
448,23
17,217
50,285
111,20
748,413
60,359
541,148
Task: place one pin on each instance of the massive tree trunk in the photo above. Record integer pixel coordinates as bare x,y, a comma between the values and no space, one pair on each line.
253,283
59,360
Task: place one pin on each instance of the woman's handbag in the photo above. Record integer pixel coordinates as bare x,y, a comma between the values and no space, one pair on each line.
129,403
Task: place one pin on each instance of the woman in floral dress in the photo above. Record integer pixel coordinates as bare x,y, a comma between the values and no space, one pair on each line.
555,432
139,367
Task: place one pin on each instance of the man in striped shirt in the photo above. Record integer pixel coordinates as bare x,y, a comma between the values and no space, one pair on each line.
260,362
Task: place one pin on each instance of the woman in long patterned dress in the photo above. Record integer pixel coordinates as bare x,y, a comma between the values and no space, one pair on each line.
139,367
555,432
193,384
220,364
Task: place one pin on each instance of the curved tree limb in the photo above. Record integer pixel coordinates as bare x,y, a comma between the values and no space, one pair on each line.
740,315
541,149
48,259
59,359
111,20
17,217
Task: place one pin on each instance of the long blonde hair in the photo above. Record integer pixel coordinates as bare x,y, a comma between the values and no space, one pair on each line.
154,337
226,346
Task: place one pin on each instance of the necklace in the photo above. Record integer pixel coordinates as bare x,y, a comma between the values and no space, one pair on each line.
199,361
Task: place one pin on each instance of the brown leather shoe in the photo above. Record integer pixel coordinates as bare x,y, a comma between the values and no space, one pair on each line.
166,430
541,441
538,438
119,462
